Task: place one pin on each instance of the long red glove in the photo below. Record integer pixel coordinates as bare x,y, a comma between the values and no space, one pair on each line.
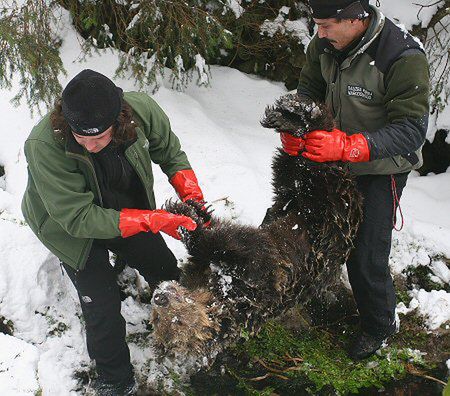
133,221
323,146
186,185
291,145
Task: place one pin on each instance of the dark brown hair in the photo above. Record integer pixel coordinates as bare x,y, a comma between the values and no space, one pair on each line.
124,128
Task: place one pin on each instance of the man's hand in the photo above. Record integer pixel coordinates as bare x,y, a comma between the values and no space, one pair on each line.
291,145
133,221
323,146
186,185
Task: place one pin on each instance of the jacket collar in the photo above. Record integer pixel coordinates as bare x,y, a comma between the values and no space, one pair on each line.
72,147
373,31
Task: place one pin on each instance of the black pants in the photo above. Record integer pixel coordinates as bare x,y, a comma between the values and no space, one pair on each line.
100,300
367,265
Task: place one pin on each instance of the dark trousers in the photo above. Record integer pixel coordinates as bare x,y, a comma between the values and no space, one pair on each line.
367,265
100,299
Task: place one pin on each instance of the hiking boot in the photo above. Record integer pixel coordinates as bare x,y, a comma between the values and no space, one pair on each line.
367,344
101,387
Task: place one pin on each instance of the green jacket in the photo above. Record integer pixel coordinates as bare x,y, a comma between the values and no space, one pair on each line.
380,89
62,202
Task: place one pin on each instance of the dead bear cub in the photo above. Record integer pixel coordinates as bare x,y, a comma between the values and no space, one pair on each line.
240,276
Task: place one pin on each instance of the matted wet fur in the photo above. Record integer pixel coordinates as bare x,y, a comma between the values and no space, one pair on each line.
237,276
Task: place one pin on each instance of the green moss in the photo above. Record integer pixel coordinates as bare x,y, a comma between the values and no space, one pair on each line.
320,363
421,276
412,333
446,391
179,385
402,296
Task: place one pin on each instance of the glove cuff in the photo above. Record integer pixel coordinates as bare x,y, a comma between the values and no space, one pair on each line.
186,185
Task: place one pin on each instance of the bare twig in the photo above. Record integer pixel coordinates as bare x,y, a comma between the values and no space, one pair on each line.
266,366
267,376
412,370
422,6
220,199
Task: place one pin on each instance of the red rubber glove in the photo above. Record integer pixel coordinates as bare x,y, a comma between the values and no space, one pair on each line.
186,185
291,145
133,221
323,146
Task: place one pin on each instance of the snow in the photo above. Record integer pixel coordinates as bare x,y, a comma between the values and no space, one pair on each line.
231,154
200,65
434,306
133,21
281,24
224,280
410,13
235,6
441,271
18,363
443,121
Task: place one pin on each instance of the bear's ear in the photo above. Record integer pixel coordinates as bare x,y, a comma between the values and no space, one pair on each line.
272,118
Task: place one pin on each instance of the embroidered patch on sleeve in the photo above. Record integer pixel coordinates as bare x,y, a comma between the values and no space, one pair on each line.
354,90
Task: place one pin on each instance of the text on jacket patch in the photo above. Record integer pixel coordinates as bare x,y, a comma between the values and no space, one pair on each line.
354,90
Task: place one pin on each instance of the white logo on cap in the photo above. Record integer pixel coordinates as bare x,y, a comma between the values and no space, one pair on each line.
90,131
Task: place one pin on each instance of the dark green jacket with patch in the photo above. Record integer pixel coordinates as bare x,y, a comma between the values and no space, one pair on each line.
380,90
62,202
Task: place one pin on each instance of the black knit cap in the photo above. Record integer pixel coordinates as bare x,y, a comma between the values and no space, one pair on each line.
91,103
340,9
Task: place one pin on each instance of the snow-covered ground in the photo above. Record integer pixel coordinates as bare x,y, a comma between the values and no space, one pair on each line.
231,154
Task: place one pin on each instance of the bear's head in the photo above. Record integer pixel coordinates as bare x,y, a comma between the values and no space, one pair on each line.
297,114
184,321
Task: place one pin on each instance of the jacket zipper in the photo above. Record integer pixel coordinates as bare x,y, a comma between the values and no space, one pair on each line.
333,81
136,168
337,88
339,98
91,166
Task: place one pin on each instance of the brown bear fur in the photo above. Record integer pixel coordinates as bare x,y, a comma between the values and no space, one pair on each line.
240,276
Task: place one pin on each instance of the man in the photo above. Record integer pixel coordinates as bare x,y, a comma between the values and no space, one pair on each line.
90,191
374,77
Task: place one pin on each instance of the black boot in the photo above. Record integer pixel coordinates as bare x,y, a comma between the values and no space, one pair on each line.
101,387
367,344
